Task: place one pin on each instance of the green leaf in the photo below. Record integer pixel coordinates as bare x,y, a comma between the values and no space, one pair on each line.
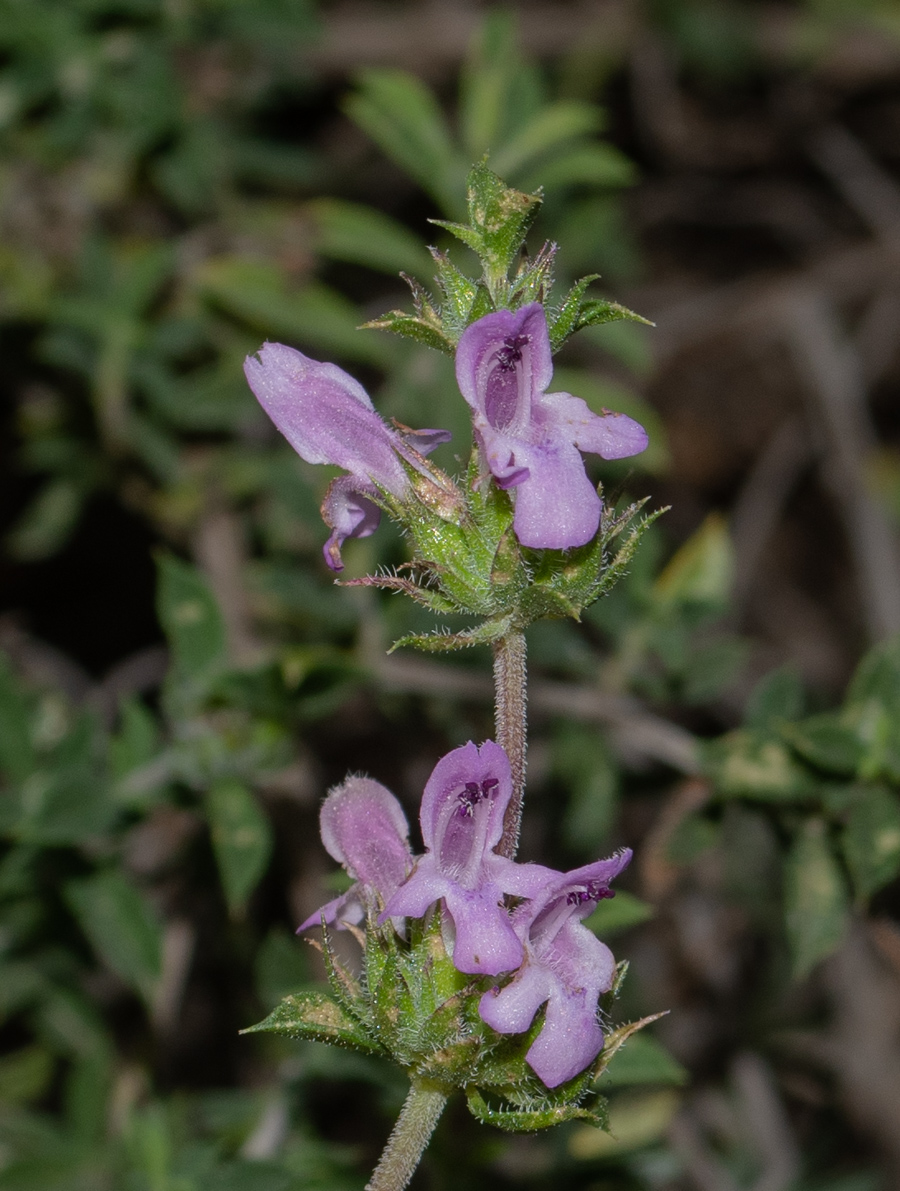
816,903
564,321
583,761
261,294
459,294
619,913
86,1096
410,326
317,1016
826,742
121,926
872,711
17,756
617,1038
72,1026
701,571
67,799
545,131
878,678
242,840
752,765
489,76
777,696
592,165
596,312
25,1075
191,620
49,520
514,1120
404,119
871,839
364,236
642,1060
136,741
444,641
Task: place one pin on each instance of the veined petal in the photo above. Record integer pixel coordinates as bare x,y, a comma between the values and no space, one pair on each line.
365,829
346,908
569,897
520,880
486,943
511,1010
458,825
422,889
611,435
503,361
565,965
558,507
569,1040
325,414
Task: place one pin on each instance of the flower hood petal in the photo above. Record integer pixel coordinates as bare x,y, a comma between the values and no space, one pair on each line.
365,829
325,414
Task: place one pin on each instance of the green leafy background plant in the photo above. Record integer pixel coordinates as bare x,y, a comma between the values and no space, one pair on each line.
167,201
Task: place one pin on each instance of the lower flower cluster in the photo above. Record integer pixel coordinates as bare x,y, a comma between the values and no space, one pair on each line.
518,923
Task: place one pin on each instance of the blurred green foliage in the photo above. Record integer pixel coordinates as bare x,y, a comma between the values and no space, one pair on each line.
156,223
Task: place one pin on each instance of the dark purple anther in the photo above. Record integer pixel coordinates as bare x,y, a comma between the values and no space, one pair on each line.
511,352
592,892
469,797
473,793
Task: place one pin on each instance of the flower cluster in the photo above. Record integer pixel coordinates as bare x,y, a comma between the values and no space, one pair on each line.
539,949
531,440
478,972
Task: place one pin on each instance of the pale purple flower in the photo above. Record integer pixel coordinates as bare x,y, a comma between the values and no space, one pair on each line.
328,417
565,966
462,822
364,828
533,439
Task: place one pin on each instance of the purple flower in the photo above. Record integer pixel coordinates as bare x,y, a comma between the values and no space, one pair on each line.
462,822
364,828
565,966
533,439
328,417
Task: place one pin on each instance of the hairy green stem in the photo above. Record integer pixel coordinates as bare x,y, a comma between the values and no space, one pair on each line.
407,1142
510,676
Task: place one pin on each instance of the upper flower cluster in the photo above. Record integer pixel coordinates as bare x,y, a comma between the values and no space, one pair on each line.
531,440
540,949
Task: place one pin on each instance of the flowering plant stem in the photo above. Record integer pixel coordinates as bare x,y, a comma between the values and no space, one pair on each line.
409,1138
510,678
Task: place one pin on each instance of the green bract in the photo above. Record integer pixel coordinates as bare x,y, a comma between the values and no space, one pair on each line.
467,560
499,219
411,1005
